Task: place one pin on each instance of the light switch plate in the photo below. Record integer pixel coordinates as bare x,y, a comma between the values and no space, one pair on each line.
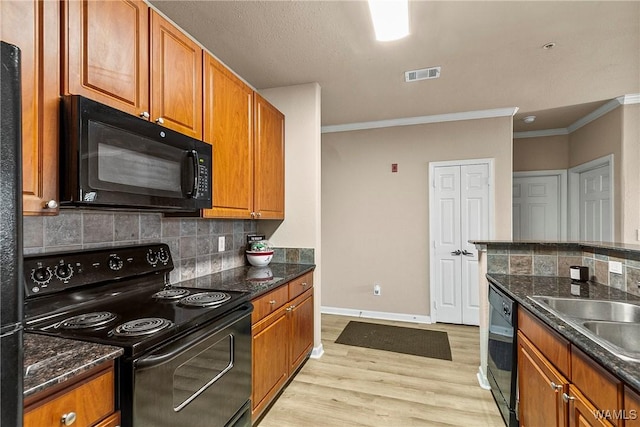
220,243
615,267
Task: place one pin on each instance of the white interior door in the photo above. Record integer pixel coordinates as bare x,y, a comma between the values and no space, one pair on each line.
595,205
536,208
460,213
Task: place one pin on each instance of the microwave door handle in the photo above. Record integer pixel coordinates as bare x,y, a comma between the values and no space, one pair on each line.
196,161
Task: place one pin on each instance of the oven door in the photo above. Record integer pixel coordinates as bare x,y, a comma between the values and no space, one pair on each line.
202,379
114,159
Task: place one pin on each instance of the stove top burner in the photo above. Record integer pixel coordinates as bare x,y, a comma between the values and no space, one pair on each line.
171,294
144,326
205,299
87,320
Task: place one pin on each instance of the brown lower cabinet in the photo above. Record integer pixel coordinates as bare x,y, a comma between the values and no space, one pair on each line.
559,385
282,331
89,399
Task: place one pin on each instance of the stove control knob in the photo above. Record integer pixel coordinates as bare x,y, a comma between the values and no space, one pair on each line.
64,271
41,275
115,262
152,258
163,256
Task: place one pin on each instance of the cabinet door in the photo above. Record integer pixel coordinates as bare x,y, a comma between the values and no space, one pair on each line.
541,387
34,27
301,329
582,413
270,364
228,127
631,408
176,78
106,53
268,197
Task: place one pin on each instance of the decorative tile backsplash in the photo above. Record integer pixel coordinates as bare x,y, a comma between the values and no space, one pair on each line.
193,241
551,260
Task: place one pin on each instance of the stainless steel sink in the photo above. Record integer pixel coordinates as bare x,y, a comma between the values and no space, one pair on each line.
614,311
624,336
615,325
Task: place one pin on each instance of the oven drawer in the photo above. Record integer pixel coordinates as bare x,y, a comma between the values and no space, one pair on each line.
269,302
90,401
301,284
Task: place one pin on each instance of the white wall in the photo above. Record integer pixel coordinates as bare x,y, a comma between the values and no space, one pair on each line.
301,226
376,223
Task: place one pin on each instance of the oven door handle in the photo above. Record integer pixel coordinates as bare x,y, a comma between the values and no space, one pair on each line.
170,351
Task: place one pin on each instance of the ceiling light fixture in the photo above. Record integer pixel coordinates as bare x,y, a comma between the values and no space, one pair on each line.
549,45
529,119
390,19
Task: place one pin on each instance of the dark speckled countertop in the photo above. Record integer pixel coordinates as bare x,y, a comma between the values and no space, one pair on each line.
49,361
521,287
256,280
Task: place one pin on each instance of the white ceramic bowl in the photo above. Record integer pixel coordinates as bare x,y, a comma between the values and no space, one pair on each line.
259,259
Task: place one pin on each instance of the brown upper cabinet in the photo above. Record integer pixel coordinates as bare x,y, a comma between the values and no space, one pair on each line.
106,54
228,127
176,78
124,55
268,192
34,26
247,134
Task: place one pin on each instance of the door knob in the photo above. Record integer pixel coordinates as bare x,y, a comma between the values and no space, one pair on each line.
464,252
458,252
51,204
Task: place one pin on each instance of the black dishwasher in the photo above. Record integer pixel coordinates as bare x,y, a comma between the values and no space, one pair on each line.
502,363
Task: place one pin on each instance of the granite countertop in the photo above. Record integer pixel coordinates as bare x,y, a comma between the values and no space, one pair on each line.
49,361
520,287
617,246
255,280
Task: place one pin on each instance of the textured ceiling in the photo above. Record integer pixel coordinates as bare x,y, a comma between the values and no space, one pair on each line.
490,52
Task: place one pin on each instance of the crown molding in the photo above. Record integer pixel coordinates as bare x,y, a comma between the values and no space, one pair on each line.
409,121
632,98
539,133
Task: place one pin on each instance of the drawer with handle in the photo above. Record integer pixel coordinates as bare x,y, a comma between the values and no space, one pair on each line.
269,302
300,285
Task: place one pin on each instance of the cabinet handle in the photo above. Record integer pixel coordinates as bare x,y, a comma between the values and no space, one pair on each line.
303,284
51,204
253,214
272,302
145,115
68,419
555,386
259,214
567,398
160,121
291,307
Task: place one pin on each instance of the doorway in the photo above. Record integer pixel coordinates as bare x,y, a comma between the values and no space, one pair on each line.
591,200
460,203
540,205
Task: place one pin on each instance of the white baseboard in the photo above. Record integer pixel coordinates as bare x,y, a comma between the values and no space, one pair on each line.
482,379
317,352
401,317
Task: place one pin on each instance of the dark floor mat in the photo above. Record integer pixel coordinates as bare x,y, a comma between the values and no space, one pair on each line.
418,342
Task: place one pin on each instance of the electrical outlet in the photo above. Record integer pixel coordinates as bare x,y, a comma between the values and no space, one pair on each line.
377,291
220,243
615,267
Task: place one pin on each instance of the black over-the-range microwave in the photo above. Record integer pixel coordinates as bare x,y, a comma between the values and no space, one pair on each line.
111,159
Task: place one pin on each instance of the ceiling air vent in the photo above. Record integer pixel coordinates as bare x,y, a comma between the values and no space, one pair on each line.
423,74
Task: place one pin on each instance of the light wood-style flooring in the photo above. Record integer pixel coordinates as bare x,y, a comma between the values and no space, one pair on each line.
353,386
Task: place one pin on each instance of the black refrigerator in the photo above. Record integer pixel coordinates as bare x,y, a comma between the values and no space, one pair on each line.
11,296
